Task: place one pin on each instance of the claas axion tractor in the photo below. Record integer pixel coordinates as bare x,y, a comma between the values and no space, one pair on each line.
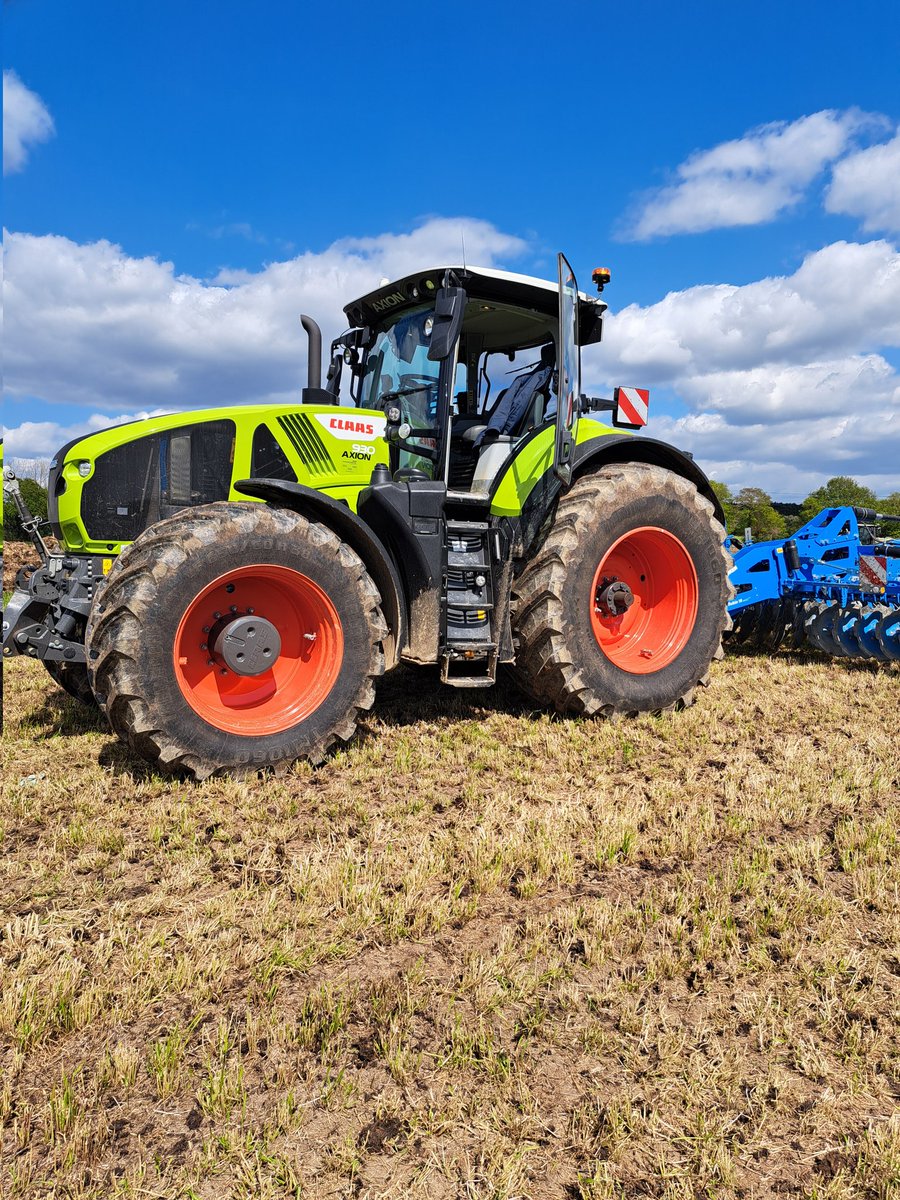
232,582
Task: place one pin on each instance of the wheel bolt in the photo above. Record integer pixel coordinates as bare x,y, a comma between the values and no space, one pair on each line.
204,645
206,629
210,663
234,608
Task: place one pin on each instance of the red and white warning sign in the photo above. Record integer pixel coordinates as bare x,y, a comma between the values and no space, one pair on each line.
632,405
873,572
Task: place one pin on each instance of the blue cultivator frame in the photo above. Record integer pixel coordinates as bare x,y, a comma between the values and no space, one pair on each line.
834,585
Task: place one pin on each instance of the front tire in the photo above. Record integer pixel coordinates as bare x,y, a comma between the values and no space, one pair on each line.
156,634
649,533
72,678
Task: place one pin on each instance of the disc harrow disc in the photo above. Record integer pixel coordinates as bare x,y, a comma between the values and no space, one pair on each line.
818,629
866,627
843,630
744,622
765,624
780,623
888,633
798,623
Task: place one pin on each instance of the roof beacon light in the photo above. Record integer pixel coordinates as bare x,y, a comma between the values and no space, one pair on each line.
601,277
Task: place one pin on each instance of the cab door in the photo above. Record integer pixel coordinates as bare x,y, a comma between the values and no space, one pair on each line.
569,386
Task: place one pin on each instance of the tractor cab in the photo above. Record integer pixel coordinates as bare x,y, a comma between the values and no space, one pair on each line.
465,364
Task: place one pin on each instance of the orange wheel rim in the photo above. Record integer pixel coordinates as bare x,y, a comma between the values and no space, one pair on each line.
300,678
659,574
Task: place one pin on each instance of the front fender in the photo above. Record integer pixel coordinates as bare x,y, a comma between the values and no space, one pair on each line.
351,529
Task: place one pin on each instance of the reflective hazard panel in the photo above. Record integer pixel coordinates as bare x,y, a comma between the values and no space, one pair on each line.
873,572
569,386
632,405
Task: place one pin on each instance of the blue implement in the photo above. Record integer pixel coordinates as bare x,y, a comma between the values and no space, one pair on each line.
834,585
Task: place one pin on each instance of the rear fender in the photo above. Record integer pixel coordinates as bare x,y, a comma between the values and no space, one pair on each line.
348,526
600,451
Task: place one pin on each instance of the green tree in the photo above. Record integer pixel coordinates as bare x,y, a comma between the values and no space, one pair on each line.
836,492
890,504
35,497
752,508
723,492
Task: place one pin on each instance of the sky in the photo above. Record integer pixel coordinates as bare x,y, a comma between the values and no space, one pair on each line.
182,180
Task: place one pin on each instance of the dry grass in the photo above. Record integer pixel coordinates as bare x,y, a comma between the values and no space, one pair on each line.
484,953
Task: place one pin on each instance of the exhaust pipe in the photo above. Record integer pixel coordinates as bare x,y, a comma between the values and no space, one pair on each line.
314,356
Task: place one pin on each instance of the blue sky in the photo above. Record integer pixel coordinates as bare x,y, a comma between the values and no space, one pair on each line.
285,154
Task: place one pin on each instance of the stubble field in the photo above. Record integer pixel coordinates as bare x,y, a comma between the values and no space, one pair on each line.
484,953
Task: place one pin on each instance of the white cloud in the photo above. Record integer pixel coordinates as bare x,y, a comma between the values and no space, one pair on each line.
867,185
36,440
791,461
89,325
748,180
25,122
841,299
783,378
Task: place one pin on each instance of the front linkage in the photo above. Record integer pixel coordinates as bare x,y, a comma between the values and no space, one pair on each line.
46,615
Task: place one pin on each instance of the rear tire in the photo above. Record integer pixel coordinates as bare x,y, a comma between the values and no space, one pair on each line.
655,525
149,665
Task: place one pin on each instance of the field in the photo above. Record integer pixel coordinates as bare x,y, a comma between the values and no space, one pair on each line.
484,953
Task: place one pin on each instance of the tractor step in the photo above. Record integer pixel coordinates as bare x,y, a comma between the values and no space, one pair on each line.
459,671
469,649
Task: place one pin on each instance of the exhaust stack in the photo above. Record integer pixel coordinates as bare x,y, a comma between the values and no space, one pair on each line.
314,356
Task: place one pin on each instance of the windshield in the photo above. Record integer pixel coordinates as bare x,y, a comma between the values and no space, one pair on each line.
398,371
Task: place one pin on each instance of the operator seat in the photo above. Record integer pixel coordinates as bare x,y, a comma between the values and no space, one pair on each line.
521,405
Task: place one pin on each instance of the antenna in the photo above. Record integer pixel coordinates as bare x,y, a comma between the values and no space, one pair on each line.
462,235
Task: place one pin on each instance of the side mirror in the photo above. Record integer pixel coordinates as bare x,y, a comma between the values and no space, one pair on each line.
449,310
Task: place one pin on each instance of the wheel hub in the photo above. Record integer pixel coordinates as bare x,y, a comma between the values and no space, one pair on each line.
614,597
644,600
247,645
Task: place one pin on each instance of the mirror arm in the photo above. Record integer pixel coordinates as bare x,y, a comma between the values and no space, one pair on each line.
595,404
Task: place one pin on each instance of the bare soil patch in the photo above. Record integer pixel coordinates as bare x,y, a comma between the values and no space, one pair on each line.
483,953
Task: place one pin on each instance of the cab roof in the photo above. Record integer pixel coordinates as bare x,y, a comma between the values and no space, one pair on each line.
481,283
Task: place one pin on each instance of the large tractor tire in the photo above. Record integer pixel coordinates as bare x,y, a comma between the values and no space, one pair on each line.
623,606
233,638
72,678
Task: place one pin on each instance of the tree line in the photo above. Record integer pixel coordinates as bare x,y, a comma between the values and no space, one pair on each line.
752,508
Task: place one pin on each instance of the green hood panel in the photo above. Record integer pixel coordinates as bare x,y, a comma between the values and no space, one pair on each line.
532,461
109,486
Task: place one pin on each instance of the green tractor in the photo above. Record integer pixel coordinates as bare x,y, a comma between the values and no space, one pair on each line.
234,581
